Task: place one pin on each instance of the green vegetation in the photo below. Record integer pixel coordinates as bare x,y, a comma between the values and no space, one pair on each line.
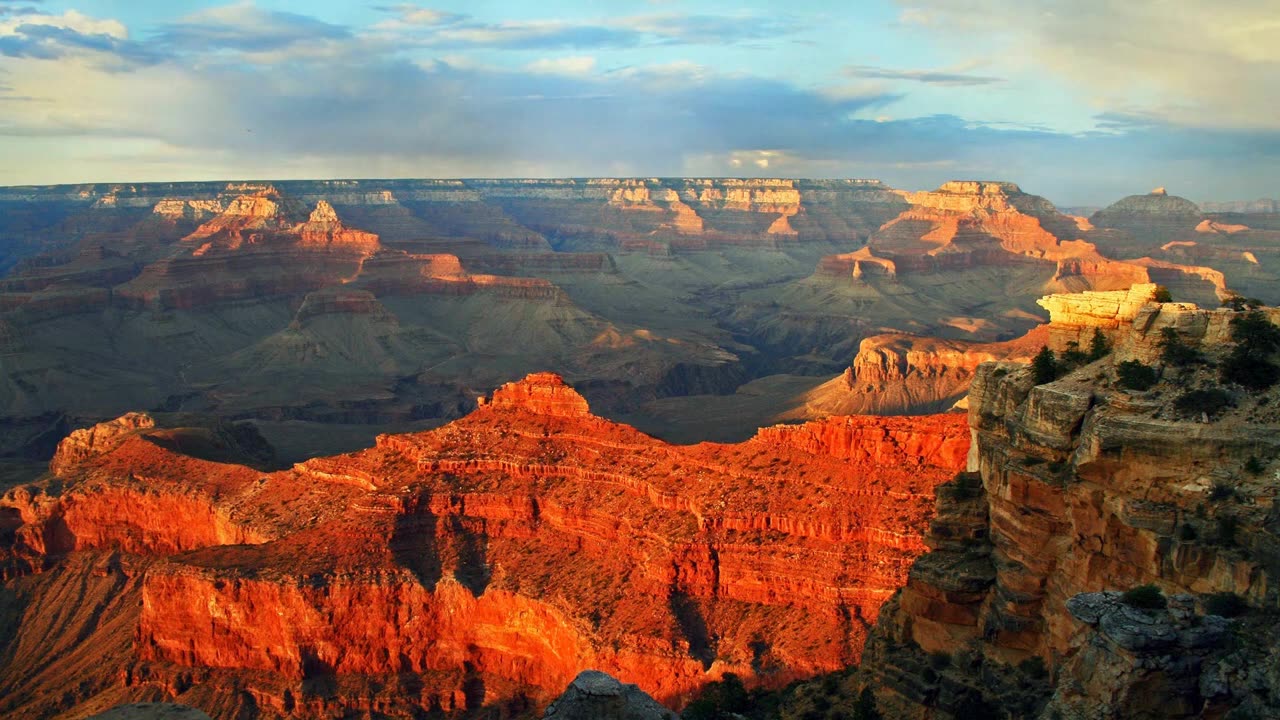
1145,597
1221,491
1227,526
1034,668
719,699
1045,366
1173,351
1240,303
965,486
1226,604
1133,375
1098,345
1249,363
1161,295
1209,401
1254,466
1073,357
1187,532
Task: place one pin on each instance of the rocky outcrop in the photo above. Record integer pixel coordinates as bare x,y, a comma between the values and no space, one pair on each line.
1073,317
594,695
1079,486
1138,224
897,374
541,393
1137,661
84,444
492,559
1134,323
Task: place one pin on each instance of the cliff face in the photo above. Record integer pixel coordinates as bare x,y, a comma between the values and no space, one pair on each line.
1079,486
492,559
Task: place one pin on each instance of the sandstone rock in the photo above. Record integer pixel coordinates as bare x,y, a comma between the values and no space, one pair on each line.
1085,493
542,393
1137,661
84,444
594,695
151,711
493,559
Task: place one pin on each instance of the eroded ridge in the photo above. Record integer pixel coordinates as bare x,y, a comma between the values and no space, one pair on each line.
496,557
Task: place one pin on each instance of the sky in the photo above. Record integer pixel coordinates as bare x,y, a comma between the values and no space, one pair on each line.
1082,101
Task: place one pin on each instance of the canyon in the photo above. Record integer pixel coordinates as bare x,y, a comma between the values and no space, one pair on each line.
395,448
483,563
330,311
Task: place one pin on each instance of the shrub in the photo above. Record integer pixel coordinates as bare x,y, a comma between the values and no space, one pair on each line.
1187,532
1240,303
723,697
1208,401
1249,363
1254,331
1161,295
1098,345
939,660
1227,526
1173,351
1045,366
1253,465
1072,356
1225,604
1133,375
865,708
1145,597
1250,370
1221,491
1034,667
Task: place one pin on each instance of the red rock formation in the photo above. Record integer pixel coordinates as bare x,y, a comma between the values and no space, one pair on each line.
897,374
496,557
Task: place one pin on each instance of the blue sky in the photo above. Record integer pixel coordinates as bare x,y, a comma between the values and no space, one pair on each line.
1082,101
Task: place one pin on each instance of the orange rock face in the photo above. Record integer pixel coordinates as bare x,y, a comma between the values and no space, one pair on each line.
494,558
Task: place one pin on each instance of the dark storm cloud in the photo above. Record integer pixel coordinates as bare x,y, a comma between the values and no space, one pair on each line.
929,77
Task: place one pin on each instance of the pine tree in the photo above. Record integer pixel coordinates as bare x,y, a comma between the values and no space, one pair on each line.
1044,366
1098,345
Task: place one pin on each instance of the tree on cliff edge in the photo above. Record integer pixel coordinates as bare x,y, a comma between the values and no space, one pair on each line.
1098,345
1044,366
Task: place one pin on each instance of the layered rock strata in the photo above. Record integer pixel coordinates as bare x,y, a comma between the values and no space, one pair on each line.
1079,486
492,559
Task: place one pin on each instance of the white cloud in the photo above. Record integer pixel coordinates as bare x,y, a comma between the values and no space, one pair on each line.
1199,62
574,65
69,20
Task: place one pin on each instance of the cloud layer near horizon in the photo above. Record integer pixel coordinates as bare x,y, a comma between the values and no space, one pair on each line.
247,91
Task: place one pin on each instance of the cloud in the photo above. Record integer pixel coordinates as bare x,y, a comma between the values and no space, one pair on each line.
929,77
36,35
1193,62
247,28
427,27
576,65
416,15
240,91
